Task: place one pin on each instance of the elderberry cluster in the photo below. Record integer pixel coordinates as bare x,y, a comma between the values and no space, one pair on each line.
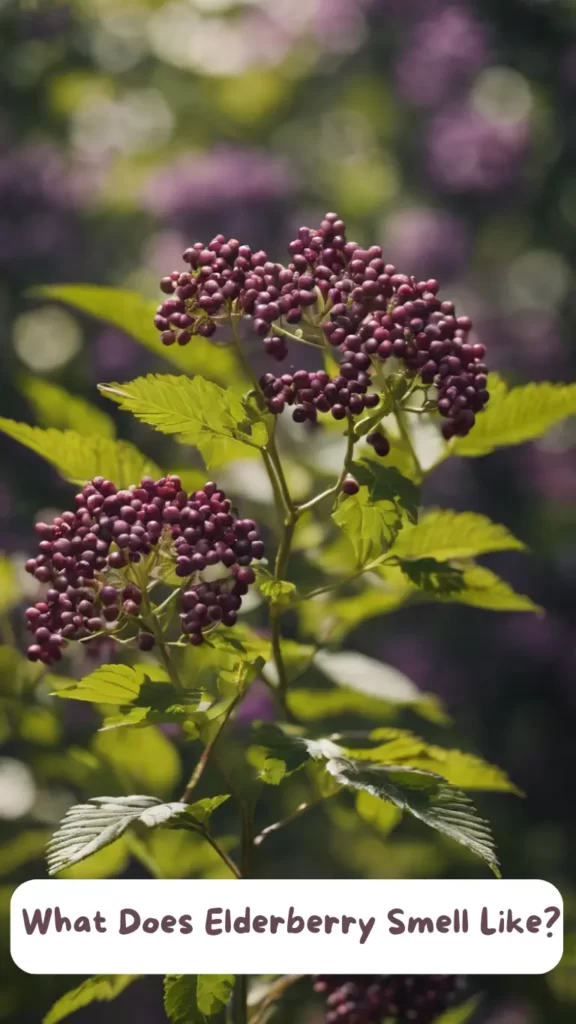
372,998
81,556
348,296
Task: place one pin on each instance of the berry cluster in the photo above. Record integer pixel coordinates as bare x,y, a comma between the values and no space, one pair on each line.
311,393
362,306
373,998
82,555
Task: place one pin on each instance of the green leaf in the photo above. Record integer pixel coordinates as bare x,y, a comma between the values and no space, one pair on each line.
190,998
20,849
200,812
109,862
141,759
371,527
111,684
135,315
89,827
198,411
79,458
443,534
279,592
56,407
424,795
432,576
287,751
369,677
10,589
386,483
102,988
383,816
519,415
312,705
460,1014
484,589
333,620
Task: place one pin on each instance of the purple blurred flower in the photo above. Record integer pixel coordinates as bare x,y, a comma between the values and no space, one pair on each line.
426,242
225,176
258,705
40,199
469,153
445,52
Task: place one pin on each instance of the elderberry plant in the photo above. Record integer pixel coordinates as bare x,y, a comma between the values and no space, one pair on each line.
209,593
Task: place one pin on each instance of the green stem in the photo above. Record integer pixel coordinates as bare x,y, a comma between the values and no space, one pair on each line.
221,853
405,435
296,337
383,560
240,1000
332,491
205,756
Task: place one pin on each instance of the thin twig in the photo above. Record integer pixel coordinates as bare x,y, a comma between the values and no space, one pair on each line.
300,810
221,853
205,756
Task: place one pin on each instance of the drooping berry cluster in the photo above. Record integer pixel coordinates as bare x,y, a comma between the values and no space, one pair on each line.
82,556
362,306
370,999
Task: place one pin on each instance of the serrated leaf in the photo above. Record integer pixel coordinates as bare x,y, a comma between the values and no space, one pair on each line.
519,415
134,314
56,407
371,527
386,483
197,411
279,592
484,589
438,578
102,988
111,684
79,458
287,751
444,534
89,827
424,795
190,998
142,759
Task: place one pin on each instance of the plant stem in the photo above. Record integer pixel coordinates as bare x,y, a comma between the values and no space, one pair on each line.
300,810
240,1000
221,853
330,491
296,337
205,756
405,434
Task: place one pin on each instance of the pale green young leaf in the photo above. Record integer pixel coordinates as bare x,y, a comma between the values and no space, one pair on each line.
286,751
370,526
190,998
279,592
102,988
444,534
79,459
87,828
10,589
519,415
383,816
424,795
200,812
141,759
134,314
197,411
22,848
56,407
314,705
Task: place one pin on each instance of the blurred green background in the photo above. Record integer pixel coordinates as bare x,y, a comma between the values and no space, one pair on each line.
444,131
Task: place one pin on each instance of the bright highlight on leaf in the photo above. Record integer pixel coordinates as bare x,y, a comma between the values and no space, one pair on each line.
197,411
134,314
443,534
102,988
519,415
79,458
